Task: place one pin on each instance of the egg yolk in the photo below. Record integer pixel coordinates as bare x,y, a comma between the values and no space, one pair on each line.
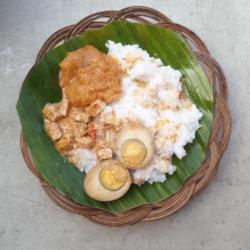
113,177
133,152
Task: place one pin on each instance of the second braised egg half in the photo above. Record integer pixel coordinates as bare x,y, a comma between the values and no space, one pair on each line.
107,181
134,147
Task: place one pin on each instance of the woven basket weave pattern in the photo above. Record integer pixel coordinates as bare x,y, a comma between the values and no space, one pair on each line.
220,128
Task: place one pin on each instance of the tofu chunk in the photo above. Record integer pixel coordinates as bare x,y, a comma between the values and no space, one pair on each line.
104,154
79,115
96,107
55,111
84,142
65,143
53,131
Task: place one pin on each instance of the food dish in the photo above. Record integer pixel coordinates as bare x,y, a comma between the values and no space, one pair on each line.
124,106
60,179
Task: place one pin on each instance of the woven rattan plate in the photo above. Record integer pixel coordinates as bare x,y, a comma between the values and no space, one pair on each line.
220,129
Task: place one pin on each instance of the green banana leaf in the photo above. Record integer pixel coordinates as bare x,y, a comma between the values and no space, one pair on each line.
41,86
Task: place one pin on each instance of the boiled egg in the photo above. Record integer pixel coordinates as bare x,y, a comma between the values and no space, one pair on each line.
135,147
107,181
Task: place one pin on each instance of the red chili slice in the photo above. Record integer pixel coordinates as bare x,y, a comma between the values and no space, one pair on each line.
92,134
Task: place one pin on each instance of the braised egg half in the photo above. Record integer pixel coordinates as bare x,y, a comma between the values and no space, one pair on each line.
135,147
107,181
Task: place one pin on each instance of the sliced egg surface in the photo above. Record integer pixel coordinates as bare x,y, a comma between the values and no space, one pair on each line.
107,181
135,147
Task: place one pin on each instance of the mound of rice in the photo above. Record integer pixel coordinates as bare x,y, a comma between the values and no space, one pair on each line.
152,94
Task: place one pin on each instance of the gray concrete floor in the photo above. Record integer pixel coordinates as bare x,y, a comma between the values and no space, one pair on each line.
218,218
